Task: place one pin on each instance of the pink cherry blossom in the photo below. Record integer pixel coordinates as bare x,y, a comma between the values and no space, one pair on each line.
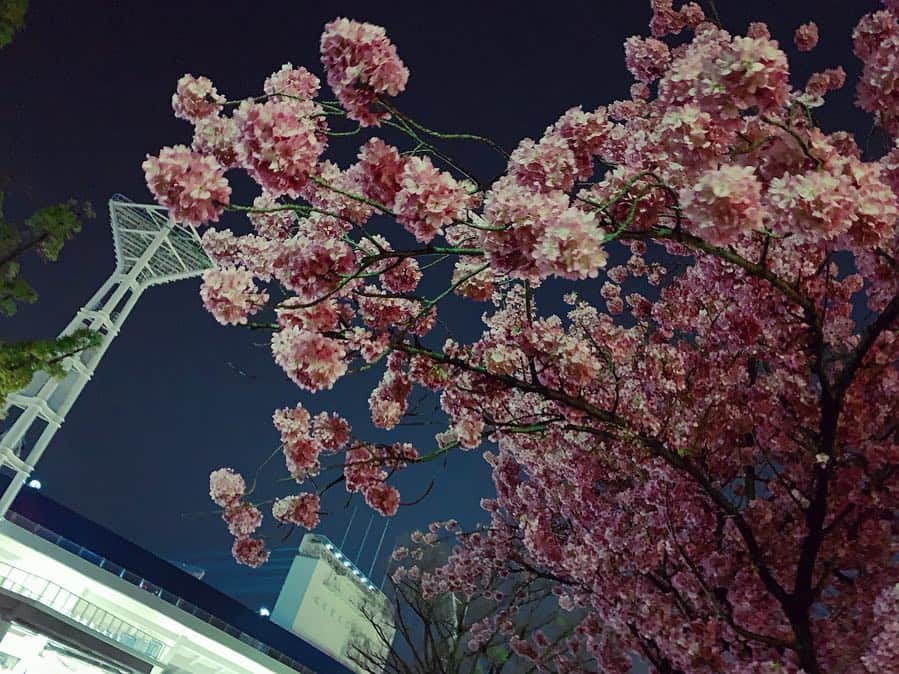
646,58
876,41
361,64
725,75
402,276
273,220
301,450
311,266
313,361
806,36
242,519
890,168
758,29
330,189
330,431
724,203
383,498
278,144
827,80
216,136
571,246
222,247
230,295
812,204
226,487
388,400
586,134
472,283
380,166
293,82
883,649
301,509
362,469
196,98
665,20
250,552
428,199
544,166
523,216
191,185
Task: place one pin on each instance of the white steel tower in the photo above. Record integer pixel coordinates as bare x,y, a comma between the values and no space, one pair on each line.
150,248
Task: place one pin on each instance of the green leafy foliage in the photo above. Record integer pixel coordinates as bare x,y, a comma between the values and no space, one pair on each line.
12,18
20,360
43,233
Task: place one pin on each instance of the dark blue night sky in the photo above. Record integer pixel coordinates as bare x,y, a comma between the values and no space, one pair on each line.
86,92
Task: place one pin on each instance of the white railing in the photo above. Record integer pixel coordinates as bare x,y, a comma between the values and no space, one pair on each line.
144,584
73,607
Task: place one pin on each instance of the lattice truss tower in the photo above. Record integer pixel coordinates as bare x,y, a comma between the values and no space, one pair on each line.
150,249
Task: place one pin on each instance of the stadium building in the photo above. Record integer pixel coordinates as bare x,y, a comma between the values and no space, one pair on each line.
77,598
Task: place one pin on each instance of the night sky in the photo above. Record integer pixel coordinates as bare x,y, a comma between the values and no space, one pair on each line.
86,92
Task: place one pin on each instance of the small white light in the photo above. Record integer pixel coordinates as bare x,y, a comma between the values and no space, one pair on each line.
329,546
347,563
357,572
338,554
35,484
264,612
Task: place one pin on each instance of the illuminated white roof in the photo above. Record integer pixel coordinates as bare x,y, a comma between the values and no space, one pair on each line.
136,618
134,226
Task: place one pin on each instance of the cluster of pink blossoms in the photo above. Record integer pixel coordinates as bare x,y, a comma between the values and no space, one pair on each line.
876,42
216,136
301,510
388,400
279,143
230,295
191,185
668,21
361,64
196,98
724,203
297,83
228,490
806,36
540,234
428,199
646,58
242,519
226,487
250,552
312,360
300,452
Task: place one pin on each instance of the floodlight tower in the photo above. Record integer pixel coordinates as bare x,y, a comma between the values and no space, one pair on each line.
150,248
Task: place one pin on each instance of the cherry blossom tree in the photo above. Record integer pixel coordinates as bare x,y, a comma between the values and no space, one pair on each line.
449,633
699,447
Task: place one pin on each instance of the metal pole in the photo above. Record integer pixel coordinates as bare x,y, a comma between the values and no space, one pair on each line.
378,551
387,569
347,531
362,544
